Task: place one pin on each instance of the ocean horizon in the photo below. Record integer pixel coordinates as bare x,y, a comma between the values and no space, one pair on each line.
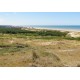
64,27
53,27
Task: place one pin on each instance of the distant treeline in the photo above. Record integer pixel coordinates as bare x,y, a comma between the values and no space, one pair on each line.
8,30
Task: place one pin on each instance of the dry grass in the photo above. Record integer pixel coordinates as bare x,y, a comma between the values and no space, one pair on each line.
16,51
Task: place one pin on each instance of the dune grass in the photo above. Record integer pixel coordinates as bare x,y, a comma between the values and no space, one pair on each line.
38,48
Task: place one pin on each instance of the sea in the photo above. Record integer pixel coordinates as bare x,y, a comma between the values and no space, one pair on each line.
58,27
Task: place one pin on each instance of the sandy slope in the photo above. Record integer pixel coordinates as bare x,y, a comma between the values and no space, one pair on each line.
74,34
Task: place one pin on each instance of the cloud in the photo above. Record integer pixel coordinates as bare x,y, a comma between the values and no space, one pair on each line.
1,20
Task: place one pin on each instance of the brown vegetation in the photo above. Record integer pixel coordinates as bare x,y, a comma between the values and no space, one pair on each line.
39,51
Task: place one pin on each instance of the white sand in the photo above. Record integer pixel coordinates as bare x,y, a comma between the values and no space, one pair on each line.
76,30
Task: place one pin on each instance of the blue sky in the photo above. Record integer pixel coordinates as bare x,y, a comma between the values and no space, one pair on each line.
39,18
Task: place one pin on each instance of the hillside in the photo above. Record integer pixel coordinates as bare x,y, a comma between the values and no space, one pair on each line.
38,48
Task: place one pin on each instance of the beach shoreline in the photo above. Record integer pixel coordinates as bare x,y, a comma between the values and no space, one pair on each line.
59,29
71,32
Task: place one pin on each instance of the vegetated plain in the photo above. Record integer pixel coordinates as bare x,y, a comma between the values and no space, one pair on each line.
38,48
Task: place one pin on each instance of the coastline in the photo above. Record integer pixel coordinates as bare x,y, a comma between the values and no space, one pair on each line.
72,32
59,29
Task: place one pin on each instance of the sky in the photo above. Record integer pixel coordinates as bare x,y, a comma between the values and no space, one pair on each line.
39,18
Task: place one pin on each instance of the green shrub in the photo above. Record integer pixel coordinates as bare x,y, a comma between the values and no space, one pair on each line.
29,32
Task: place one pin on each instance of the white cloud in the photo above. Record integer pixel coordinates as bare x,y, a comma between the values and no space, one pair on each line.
1,20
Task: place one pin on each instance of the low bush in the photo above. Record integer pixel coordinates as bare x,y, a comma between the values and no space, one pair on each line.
32,33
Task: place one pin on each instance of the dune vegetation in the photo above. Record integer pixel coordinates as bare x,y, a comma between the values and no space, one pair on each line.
38,48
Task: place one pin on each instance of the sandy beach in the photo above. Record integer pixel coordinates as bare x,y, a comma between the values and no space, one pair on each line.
60,29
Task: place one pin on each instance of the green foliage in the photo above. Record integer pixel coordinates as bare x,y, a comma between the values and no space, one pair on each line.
70,38
42,34
73,38
11,30
52,33
32,33
78,38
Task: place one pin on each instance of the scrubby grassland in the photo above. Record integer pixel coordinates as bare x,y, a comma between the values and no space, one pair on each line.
35,47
